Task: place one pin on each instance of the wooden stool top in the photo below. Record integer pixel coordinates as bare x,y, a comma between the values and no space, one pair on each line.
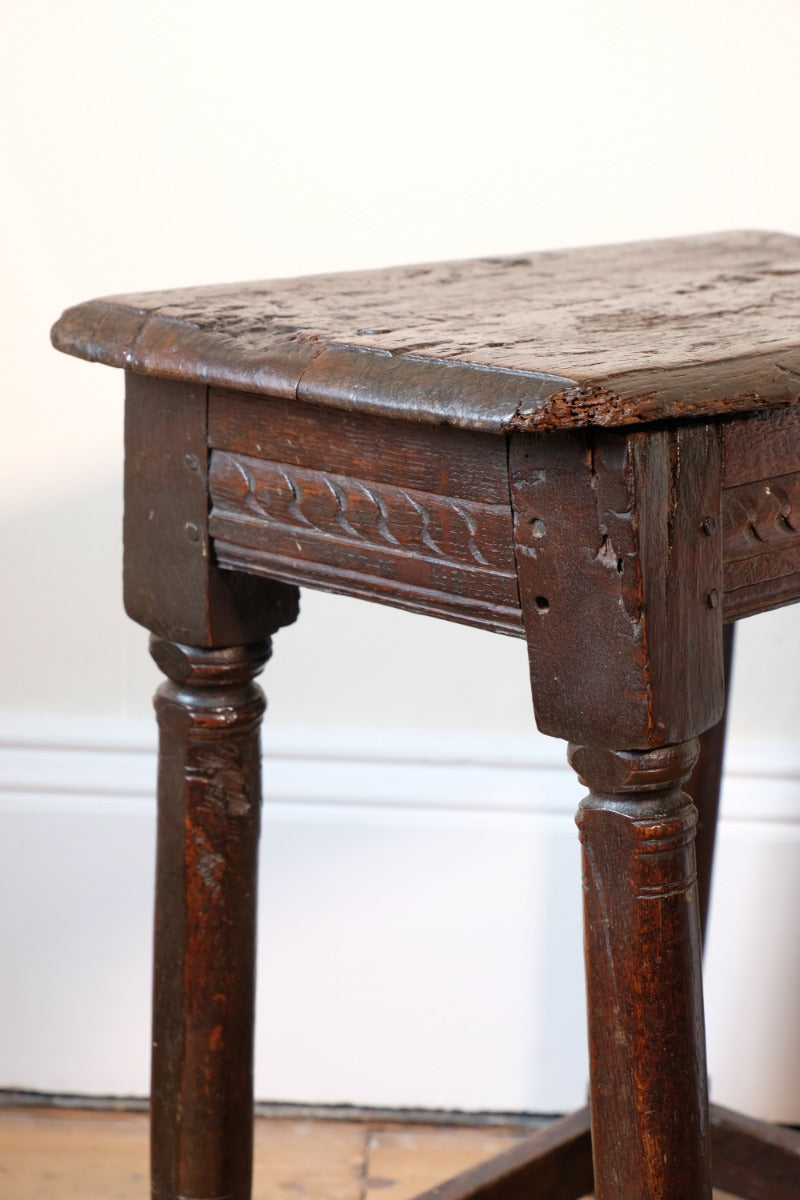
614,335
377,434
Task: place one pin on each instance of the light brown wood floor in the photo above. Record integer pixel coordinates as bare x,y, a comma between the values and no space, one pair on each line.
52,1154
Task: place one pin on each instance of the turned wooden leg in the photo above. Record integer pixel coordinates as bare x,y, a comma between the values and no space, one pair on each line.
705,785
209,792
650,1124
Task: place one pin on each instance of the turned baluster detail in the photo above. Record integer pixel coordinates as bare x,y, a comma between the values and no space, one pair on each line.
642,939
209,713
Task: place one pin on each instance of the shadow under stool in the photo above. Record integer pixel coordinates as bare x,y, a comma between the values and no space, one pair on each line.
595,450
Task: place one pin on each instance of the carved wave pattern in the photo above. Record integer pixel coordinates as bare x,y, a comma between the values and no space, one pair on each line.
761,516
364,513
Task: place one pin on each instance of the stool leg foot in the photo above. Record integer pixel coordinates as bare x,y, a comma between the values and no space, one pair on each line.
650,1124
209,714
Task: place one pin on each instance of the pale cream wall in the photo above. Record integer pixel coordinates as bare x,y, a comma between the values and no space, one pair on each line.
152,144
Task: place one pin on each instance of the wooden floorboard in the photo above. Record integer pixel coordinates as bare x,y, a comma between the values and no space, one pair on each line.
49,1153
309,1160
401,1163
58,1154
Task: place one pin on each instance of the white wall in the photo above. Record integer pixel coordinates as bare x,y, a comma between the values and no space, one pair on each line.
146,145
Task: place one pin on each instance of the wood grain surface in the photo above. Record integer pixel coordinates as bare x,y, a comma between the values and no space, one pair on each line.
611,335
615,569
48,1154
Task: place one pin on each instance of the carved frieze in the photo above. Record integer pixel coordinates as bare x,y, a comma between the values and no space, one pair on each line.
398,520
761,516
421,550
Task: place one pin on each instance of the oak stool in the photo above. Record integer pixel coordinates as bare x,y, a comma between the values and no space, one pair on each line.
595,450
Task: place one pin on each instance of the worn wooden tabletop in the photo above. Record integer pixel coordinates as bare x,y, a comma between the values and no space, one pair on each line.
611,335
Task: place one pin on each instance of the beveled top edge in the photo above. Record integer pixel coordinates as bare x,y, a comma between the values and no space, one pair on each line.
468,395
610,335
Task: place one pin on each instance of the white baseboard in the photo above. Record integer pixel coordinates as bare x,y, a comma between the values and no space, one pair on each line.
419,923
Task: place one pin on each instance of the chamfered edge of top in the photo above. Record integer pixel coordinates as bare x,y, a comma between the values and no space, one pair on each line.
164,340
469,395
